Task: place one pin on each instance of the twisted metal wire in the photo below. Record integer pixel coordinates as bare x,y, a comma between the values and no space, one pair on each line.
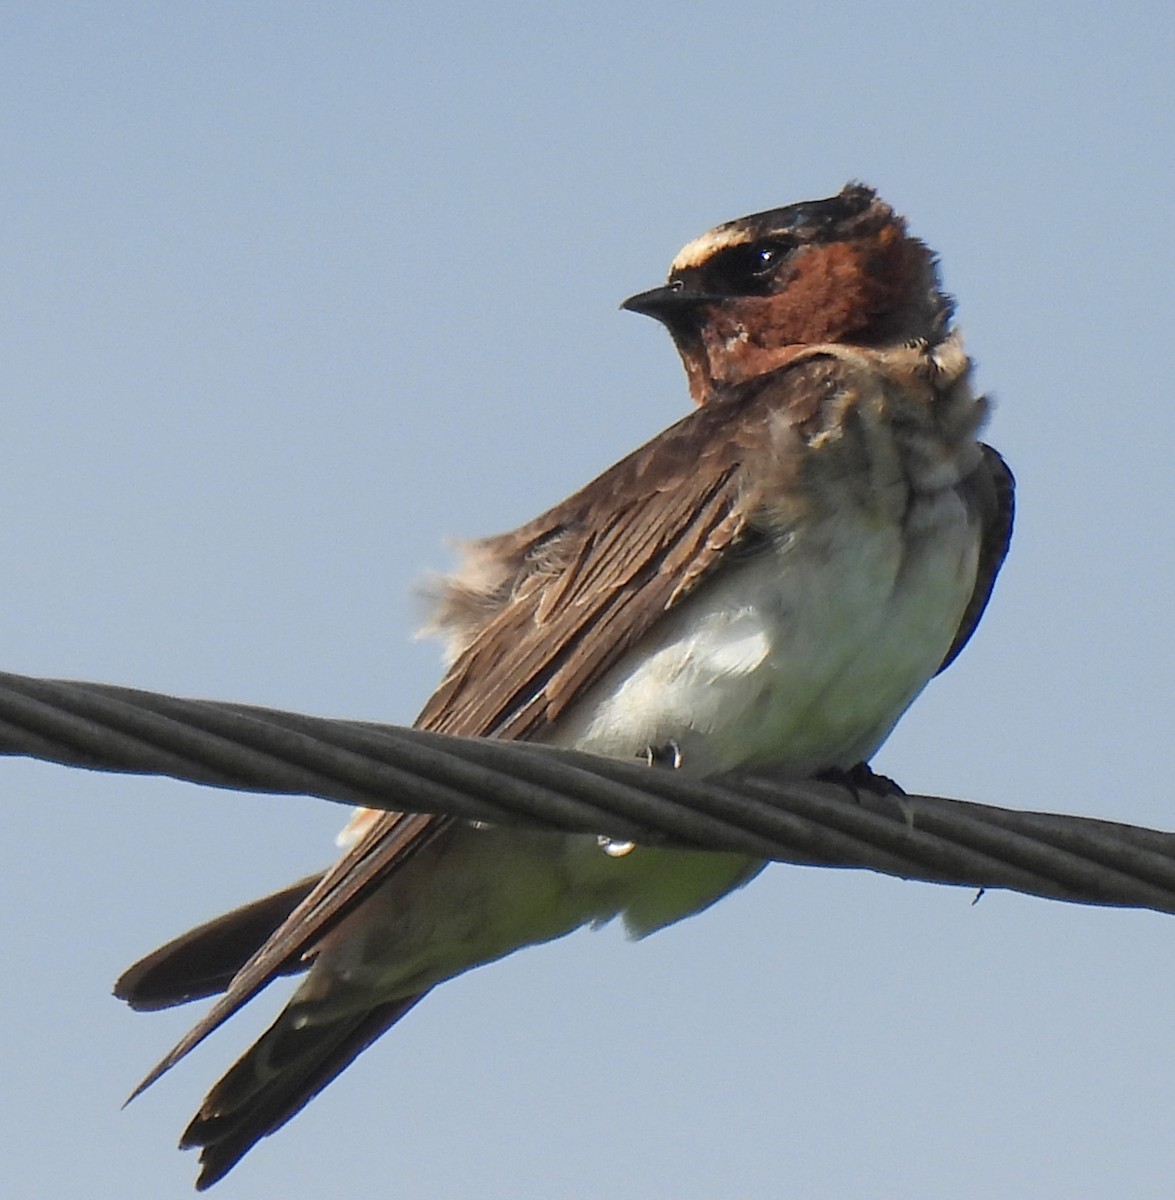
221,744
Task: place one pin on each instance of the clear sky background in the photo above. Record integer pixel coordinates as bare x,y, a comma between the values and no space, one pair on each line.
292,292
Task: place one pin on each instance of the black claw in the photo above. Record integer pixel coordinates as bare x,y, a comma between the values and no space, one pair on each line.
861,778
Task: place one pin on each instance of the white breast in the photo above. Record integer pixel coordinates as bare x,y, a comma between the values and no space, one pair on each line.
803,657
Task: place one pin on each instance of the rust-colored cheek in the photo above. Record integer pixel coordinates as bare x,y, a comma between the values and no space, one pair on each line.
835,292
735,353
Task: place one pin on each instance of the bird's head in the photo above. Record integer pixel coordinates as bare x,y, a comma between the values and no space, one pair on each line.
742,298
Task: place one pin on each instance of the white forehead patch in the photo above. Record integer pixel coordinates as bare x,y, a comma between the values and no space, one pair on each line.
705,247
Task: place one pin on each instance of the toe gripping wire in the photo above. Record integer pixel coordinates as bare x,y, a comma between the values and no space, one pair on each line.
245,748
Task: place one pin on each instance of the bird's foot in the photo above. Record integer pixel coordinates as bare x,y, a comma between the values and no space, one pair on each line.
668,754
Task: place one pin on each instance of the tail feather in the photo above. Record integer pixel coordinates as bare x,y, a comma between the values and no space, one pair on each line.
273,1080
203,961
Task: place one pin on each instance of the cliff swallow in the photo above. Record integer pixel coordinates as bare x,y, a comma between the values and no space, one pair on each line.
768,582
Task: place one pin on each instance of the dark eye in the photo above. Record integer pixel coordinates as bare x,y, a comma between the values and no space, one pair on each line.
766,257
749,268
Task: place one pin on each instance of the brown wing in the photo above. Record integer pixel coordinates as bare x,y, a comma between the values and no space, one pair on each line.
549,607
569,593
592,576
992,488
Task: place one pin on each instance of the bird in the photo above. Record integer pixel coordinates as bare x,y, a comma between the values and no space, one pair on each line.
768,583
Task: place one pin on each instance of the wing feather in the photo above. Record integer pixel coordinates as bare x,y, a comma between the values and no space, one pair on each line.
992,488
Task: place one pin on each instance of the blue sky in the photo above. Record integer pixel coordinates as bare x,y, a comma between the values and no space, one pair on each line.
290,295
